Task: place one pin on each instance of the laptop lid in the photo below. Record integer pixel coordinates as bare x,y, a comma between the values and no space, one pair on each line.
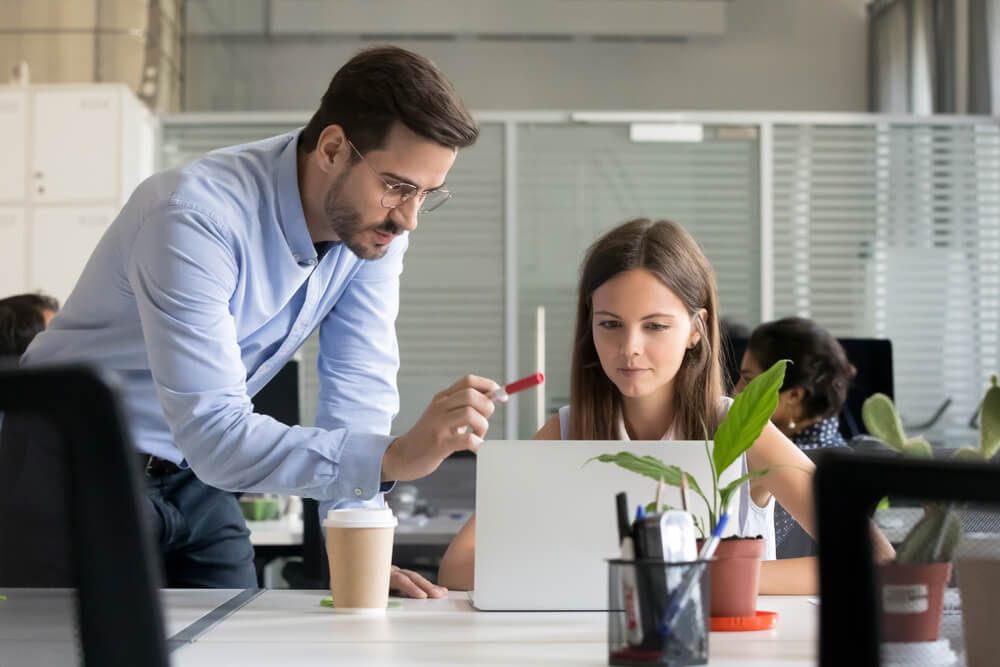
545,522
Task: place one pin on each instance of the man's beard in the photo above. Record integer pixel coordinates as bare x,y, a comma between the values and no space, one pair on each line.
345,221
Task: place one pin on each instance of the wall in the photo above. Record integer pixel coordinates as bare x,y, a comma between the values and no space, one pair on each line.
775,55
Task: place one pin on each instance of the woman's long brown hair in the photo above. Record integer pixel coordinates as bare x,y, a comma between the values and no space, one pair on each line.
669,252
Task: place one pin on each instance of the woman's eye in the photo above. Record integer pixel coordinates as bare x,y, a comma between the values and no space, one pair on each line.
608,324
655,326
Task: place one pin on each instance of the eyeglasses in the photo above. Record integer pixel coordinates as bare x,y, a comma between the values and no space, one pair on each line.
400,193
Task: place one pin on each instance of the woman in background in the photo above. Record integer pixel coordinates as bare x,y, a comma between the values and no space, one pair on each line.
810,399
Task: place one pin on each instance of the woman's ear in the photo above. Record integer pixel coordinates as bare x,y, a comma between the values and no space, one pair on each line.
794,396
697,328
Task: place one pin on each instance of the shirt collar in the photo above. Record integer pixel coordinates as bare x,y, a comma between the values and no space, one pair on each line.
290,214
825,432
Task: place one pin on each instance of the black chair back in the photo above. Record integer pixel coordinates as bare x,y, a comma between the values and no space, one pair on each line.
847,488
112,558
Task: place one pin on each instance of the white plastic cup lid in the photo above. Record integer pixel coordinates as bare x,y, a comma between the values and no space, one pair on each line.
360,517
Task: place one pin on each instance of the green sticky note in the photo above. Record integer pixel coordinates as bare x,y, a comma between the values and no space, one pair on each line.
393,604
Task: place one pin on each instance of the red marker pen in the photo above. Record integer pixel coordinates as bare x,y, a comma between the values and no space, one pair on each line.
503,393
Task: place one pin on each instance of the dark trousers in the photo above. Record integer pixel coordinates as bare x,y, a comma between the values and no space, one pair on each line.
202,536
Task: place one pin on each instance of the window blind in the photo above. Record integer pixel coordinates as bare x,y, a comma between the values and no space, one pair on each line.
893,231
575,182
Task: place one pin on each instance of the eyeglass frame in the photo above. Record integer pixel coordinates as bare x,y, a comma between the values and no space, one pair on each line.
399,187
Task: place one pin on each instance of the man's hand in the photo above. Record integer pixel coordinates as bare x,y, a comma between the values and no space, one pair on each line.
455,420
412,585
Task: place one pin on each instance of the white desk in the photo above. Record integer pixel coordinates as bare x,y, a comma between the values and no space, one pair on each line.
37,626
291,628
279,532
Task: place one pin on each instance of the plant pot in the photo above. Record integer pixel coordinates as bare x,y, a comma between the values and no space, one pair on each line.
736,576
912,597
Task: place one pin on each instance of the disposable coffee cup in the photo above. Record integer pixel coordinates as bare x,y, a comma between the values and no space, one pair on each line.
359,548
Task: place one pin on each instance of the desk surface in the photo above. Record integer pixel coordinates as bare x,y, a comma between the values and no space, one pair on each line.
37,625
291,628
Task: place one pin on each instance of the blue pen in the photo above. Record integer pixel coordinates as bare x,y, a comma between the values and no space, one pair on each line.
686,588
639,512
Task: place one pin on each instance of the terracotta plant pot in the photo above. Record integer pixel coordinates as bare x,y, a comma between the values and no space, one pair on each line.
736,576
912,597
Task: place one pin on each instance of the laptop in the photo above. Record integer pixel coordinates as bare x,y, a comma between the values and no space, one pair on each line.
546,523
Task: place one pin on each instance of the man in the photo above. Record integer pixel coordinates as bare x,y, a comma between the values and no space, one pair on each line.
215,273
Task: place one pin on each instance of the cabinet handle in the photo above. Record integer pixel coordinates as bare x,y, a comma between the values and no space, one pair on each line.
38,174
41,189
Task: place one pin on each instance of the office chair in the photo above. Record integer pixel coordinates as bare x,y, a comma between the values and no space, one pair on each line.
118,613
872,357
850,604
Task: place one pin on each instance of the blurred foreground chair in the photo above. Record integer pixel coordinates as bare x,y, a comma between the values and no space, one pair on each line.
75,411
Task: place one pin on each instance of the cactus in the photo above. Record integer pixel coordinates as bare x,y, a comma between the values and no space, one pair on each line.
936,536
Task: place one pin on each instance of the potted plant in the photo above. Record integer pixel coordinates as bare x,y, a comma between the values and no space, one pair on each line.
912,586
735,572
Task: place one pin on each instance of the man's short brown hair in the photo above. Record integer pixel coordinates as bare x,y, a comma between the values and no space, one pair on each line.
382,85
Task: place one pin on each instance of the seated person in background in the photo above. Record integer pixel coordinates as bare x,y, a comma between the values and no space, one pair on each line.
646,366
47,305
811,397
22,317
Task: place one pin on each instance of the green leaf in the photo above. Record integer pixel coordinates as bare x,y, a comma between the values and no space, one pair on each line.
748,416
989,421
883,504
726,492
649,466
968,453
880,417
651,508
940,525
917,448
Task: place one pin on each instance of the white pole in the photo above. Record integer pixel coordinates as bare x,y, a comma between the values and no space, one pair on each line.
540,357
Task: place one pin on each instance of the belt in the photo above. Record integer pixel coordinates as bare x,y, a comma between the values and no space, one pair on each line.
155,467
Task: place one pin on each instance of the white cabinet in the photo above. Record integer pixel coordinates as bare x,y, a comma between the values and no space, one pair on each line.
78,150
75,146
13,126
13,239
61,240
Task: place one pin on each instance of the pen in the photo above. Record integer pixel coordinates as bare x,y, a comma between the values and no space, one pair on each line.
621,508
686,588
503,393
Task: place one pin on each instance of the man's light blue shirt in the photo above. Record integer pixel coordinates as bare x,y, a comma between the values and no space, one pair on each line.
201,290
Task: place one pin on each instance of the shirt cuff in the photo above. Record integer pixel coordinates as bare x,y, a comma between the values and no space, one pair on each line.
360,468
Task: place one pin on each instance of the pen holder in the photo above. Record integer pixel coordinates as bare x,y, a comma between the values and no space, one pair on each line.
658,612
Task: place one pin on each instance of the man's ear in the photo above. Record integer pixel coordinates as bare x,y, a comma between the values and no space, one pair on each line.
332,150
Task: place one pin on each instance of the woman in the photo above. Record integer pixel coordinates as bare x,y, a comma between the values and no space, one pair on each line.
811,397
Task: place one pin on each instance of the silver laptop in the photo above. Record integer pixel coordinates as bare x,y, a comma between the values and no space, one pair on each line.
546,523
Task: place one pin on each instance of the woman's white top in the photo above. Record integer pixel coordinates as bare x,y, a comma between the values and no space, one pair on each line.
752,520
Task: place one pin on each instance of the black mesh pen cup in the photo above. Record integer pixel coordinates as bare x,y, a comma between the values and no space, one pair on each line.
658,612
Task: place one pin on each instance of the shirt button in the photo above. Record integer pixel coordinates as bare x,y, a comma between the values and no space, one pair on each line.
310,262
358,492
296,257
